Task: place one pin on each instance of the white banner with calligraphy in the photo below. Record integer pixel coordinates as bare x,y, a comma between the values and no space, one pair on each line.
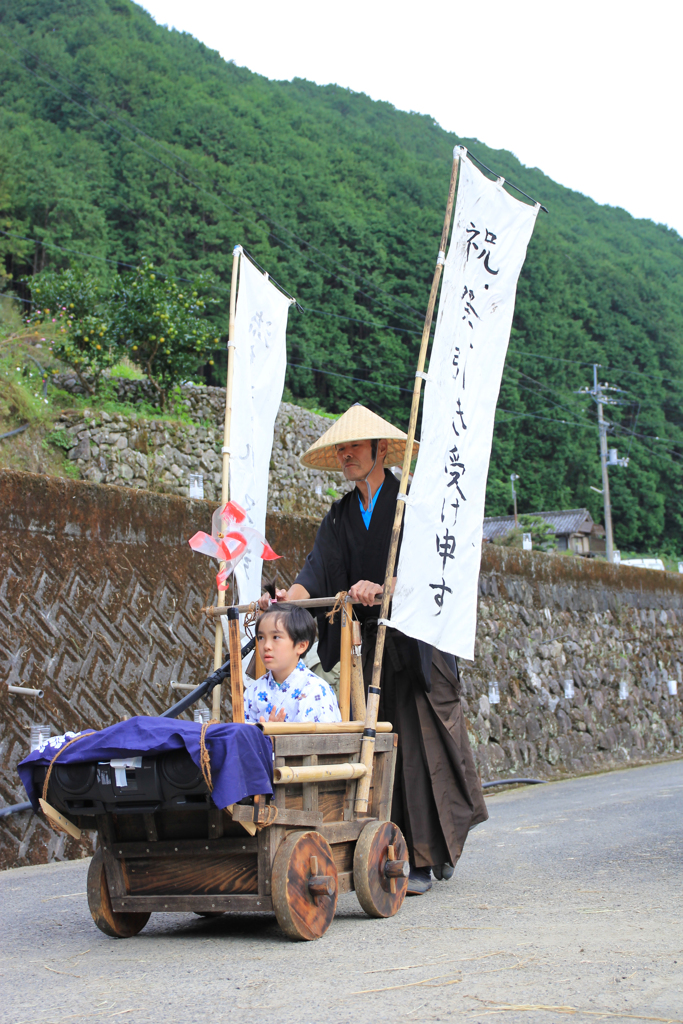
438,571
259,377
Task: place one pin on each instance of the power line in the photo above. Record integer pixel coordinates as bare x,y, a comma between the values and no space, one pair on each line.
213,287
361,380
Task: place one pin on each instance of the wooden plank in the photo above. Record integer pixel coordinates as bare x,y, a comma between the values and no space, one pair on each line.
259,667
309,789
345,664
238,903
150,827
350,793
357,688
236,687
343,855
343,831
116,880
286,816
216,819
344,743
345,881
387,790
190,874
378,782
279,794
269,840
185,847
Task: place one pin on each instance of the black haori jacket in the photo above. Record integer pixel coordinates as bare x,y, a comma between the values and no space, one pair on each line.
346,552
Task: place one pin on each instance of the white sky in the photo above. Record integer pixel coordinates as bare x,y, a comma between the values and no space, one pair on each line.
589,91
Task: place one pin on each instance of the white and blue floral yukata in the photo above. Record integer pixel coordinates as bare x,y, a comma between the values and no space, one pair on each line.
304,696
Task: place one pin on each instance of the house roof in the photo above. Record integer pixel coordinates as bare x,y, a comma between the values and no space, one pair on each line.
573,520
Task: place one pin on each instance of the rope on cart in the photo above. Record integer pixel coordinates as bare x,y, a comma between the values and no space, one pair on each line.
204,760
54,825
250,618
338,606
205,763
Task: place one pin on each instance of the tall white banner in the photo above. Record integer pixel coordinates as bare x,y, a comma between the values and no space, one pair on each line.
259,377
438,571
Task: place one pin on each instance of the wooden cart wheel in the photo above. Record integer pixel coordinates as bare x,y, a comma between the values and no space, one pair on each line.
304,885
381,868
119,926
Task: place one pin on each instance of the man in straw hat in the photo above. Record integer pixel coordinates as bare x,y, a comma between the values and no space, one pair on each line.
437,792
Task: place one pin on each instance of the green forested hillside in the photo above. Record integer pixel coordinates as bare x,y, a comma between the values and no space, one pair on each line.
121,139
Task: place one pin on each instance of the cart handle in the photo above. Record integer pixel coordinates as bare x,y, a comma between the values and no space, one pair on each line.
200,691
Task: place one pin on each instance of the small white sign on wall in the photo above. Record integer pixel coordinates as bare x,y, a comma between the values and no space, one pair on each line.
526,541
196,485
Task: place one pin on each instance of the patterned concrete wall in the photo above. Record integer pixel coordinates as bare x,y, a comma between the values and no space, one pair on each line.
100,599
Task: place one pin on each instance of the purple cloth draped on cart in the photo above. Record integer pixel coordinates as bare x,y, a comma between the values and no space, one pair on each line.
241,756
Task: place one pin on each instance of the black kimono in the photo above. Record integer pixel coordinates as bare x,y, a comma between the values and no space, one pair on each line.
437,792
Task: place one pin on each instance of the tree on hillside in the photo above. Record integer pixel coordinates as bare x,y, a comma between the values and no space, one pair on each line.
542,534
162,326
78,303
120,138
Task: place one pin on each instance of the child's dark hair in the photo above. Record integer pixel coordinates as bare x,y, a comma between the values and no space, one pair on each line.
297,622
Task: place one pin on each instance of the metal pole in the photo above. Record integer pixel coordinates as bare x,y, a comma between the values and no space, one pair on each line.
513,477
597,392
225,488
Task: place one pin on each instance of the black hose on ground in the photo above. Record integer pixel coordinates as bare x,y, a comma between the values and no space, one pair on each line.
201,691
513,782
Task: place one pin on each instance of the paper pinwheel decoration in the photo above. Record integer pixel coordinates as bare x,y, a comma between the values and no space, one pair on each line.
230,540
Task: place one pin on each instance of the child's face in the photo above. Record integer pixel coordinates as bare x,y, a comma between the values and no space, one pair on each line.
277,649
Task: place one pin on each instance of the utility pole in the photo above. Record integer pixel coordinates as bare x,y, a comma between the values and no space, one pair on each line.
597,395
513,477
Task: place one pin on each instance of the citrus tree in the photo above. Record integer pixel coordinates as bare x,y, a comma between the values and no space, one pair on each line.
77,303
161,325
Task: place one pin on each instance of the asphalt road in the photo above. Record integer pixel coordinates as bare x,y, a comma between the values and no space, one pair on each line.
568,898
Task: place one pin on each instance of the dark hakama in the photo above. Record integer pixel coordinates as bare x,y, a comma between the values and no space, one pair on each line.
437,791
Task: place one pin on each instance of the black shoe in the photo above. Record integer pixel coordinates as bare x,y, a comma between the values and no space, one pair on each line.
443,872
419,881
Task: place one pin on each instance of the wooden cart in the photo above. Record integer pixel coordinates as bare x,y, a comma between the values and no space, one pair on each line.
234,860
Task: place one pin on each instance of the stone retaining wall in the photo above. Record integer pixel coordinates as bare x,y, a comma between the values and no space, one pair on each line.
545,619
160,454
100,599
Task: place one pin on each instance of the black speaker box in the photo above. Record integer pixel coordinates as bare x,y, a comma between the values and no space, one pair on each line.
140,785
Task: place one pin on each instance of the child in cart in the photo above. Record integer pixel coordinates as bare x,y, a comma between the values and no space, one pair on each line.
289,691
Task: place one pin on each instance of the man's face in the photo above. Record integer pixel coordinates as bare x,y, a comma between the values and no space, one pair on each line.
356,459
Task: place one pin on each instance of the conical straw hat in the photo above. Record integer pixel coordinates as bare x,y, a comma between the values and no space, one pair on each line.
357,424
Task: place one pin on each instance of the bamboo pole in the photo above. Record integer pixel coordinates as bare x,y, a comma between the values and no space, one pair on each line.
358,708
345,664
368,745
317,773
297,728
235,647
225,483
309,602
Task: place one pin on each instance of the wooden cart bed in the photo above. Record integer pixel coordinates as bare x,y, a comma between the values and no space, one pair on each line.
208,862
